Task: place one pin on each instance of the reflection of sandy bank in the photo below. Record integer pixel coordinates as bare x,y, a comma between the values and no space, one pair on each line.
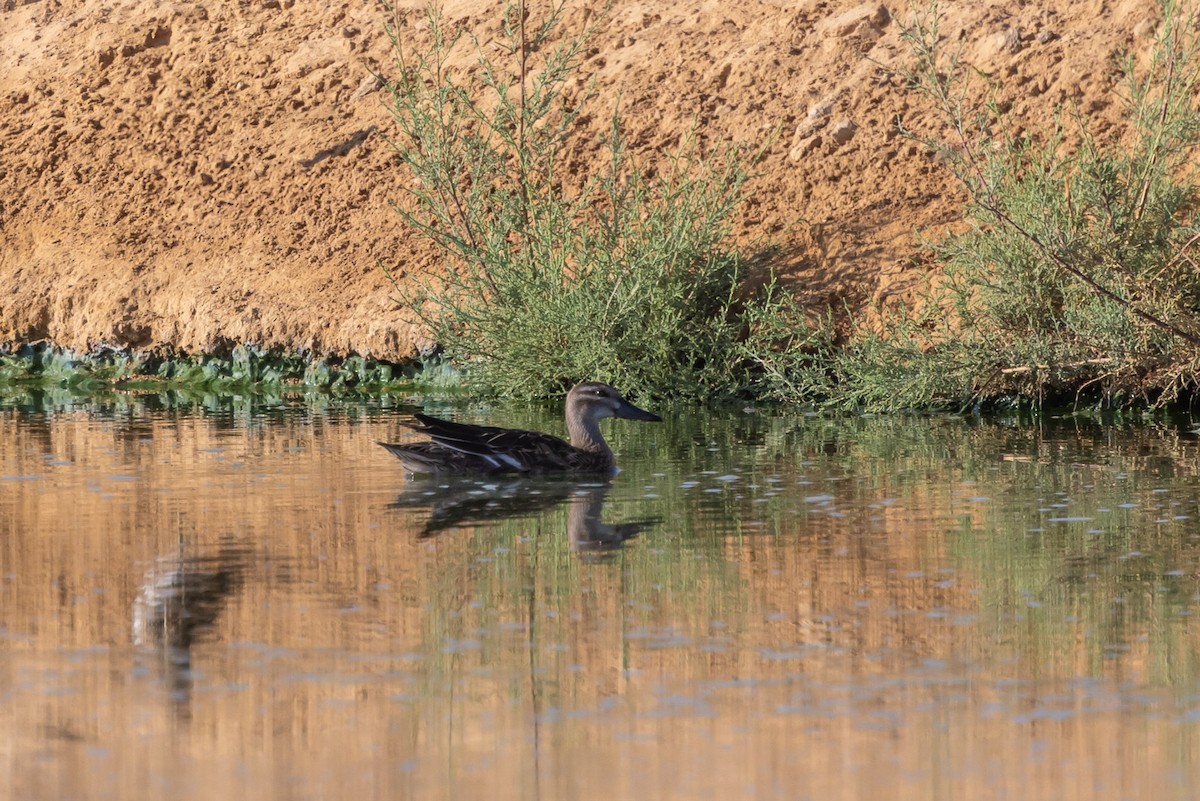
836,624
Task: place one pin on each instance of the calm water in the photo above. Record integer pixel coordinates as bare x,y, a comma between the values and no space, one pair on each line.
242,602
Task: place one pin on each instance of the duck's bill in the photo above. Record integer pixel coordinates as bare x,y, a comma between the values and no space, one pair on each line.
630,412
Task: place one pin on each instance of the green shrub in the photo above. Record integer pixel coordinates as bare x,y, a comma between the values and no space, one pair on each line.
626,278
1077,276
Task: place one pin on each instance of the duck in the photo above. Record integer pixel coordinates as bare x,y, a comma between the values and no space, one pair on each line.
463,448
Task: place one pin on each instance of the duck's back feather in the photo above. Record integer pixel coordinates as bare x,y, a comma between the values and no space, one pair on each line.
462,447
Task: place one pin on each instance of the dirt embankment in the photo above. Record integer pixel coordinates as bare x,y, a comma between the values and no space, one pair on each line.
198,174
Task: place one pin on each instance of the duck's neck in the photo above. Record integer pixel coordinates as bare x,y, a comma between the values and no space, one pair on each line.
585,434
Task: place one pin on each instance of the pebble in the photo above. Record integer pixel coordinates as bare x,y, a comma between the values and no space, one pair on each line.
843,131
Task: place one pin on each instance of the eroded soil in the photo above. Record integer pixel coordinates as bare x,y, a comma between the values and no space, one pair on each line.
200,174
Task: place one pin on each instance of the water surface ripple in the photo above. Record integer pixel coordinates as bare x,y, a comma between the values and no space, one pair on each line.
240,601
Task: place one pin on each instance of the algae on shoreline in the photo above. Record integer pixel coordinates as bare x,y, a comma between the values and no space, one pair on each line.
244,370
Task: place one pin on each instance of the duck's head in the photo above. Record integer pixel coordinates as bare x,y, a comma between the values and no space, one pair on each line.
592,400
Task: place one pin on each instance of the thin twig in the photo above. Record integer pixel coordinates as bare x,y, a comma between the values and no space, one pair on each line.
1029,368
1162,118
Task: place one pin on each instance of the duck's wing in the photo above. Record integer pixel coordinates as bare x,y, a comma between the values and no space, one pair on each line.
429,457
501,448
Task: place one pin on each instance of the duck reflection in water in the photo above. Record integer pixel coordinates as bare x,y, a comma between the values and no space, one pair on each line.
460,502
179,601
589,534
